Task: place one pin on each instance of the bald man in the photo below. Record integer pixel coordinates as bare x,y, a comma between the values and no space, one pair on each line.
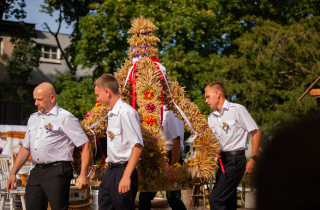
52,133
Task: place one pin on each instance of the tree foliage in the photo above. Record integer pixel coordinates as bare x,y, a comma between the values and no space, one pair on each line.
253,47
25,56
9,9
276,65
76,97
70,11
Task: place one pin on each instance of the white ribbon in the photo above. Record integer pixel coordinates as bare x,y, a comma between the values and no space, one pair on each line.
95,140
134,60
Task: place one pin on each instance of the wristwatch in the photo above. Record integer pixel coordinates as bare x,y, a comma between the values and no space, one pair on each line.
254,157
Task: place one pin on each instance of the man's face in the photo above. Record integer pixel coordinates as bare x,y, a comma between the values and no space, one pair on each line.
102,95
212,98
43,101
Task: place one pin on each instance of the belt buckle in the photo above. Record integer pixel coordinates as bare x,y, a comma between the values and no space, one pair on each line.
40,166
110,166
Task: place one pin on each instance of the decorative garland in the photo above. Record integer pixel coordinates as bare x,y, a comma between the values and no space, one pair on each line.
148,81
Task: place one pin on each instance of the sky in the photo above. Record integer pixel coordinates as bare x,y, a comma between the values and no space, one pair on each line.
35,16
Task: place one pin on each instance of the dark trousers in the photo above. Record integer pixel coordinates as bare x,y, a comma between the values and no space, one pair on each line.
173,197
224,192
109,197
50,184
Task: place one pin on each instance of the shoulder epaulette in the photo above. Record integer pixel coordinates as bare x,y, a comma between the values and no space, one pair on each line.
33,113
234,104
65,112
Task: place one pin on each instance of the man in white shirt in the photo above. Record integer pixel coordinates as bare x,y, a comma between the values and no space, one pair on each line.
230,123
119,185
52,133
173,130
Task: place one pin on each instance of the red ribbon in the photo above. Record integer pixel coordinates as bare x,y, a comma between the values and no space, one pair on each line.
133,82
104,157
221,165
170,170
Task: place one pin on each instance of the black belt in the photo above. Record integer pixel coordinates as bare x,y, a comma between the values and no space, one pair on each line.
117,165
236,152
49,165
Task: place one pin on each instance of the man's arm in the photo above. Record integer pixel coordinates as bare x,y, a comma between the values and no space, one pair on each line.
124,185
175,151
256,134
82,180
22,157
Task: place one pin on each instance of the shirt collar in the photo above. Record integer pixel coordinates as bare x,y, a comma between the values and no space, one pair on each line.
224,106
54,111
116,108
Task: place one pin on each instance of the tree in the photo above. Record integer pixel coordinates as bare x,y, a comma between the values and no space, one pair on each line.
276,65
25,56
71,12
76,97
190,32
9,8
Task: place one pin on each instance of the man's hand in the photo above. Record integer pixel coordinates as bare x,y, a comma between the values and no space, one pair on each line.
250,166
10,183
82,181
124,185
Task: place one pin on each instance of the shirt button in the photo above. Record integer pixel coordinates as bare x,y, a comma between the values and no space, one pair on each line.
43,118
38,159
40,127
36,149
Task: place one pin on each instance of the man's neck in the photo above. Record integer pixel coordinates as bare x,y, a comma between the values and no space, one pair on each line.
114,100
220,105
49,110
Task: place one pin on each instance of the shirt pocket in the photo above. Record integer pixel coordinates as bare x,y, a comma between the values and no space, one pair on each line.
31,132
114,136
55,131
229,128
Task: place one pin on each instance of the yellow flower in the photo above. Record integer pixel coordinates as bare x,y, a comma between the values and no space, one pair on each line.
140,35
142,50
151,154
177,165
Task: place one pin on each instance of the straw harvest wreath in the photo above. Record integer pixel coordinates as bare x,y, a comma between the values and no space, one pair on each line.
146,86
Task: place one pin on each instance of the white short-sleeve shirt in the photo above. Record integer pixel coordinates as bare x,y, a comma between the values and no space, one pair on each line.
125,130
172,127
56,144
231,127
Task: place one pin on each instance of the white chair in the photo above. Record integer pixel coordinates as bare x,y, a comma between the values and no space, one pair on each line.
5,167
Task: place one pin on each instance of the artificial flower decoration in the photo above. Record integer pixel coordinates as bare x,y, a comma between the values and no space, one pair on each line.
177,165
111,135
150,120
87,115
148,94
98,103
150,107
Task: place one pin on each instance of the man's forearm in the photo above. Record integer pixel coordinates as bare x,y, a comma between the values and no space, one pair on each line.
85,158
22,157
175,151
256,134
134,157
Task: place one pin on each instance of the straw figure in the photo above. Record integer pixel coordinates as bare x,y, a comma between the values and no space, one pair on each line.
145,84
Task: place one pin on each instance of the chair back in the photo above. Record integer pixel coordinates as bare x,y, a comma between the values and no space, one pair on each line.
5,168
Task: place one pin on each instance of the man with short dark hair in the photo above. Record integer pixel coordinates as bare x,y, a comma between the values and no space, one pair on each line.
230,122
52,133
119,185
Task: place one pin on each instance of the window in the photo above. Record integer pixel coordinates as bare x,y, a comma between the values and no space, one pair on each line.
49,53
